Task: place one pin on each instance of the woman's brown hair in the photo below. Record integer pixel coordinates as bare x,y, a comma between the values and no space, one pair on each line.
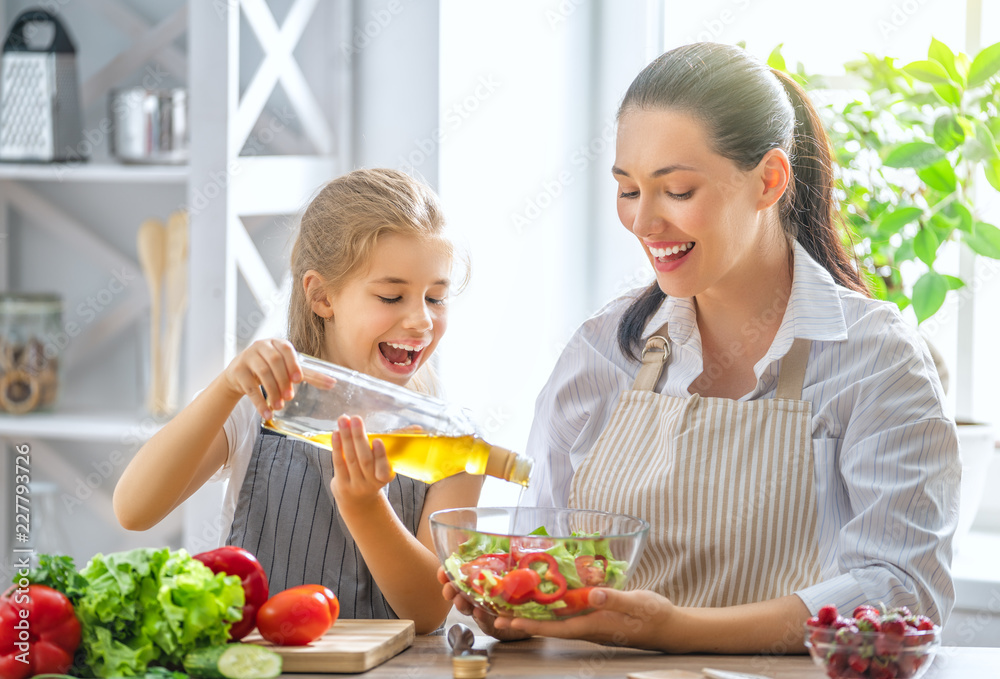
748,110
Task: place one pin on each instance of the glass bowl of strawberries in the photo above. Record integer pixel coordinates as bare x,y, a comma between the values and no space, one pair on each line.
875,643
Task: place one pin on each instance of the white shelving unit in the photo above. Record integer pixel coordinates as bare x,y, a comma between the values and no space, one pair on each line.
227,182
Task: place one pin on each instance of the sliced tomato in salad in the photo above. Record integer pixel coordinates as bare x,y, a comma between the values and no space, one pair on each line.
592,570
517,586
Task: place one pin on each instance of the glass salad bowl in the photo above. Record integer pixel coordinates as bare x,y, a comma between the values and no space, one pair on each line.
536,562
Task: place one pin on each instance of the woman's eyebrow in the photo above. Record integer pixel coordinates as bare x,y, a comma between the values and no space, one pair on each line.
658,173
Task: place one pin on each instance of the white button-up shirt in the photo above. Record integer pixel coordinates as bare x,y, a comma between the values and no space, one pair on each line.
886,455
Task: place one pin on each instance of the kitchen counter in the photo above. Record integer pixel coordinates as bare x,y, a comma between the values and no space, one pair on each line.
429,658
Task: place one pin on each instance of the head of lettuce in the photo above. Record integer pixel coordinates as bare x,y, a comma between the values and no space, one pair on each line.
150,607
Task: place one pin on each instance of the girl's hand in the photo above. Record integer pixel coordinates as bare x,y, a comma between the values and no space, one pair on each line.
360,470
270,363
640,619
484,619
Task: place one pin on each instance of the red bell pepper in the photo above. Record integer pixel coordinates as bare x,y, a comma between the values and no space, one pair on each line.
39,632
552,584
576,600
233,560
517,586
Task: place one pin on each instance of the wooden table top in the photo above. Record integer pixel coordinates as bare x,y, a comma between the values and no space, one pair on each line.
430,658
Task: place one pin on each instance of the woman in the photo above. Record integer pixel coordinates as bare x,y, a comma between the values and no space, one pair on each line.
782,432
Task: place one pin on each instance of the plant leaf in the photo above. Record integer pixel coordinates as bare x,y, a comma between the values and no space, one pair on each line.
948,133
954,282
775,60
928,72
985,65
943,55
984,240
992,169
962,64
928,295
949,93
893,221
925,245
982,145
913,154
939,176
962,215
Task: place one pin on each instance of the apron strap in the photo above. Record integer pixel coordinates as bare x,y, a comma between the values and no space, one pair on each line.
792,370
654,357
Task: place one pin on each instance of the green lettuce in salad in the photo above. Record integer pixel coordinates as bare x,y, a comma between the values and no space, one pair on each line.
565,551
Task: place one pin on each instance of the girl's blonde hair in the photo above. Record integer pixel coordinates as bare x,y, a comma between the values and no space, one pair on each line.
338,234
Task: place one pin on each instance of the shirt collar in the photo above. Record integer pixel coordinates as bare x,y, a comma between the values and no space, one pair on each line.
813,312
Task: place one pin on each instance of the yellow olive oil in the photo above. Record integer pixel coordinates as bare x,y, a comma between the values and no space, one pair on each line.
432,458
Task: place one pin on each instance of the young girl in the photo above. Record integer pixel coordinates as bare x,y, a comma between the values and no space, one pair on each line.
372,274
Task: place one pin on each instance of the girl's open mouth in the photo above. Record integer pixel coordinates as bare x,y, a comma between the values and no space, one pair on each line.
400,356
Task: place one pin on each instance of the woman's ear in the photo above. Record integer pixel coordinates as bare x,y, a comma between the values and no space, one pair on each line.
315,290
775,173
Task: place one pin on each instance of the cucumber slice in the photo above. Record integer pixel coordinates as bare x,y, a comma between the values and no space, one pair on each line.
249,661
233,661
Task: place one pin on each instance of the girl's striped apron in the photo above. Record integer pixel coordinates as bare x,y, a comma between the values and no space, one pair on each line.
726,486
287,517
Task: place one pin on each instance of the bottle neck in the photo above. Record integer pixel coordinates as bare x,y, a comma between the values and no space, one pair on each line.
507,465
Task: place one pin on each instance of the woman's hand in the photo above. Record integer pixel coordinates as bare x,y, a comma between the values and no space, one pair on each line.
269,363
640,619
360,469
484,619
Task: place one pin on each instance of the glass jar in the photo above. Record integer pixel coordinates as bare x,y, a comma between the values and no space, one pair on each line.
30,332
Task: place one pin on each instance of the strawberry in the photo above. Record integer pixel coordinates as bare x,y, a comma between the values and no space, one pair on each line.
857,663
902,611
894,628
814,622
888,646
842,622
848,636
924,624
882,669
864,607
827,615
868,621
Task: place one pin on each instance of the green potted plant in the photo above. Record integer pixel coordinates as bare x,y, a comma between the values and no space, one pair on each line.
910,147
915,144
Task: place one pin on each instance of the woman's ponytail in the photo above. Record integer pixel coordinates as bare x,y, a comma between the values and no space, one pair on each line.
808,211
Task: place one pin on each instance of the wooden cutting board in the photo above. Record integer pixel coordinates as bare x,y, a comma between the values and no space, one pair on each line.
348,646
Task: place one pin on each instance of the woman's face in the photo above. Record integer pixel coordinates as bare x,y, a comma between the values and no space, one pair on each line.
388,320
699,217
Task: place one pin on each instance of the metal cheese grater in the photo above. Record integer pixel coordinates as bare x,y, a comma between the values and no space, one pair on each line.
39,98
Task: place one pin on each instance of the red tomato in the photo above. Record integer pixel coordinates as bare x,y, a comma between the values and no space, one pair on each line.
294,617
591,570
576,600
331,599
516,587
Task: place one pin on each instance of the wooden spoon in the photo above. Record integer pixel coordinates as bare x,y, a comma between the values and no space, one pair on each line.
177,299
151,241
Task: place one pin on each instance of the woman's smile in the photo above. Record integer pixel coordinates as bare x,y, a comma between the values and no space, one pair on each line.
668,256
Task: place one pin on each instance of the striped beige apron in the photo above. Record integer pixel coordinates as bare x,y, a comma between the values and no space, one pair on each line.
726,486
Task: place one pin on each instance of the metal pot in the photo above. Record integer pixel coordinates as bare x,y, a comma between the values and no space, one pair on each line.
149,126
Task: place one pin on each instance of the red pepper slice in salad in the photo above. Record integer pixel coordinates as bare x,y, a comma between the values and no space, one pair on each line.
576,600
517,586
552,584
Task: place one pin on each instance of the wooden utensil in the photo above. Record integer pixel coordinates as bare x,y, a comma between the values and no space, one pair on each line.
348,646
176,301
151,244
